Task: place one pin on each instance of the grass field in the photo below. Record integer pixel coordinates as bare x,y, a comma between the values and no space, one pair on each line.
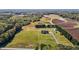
62,39
29,37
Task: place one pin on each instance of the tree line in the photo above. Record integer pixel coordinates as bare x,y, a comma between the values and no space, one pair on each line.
13,25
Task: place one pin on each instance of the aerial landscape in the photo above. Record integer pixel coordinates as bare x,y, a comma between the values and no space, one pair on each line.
39,29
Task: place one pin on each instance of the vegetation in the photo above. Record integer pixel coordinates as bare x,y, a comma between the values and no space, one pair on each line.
66,34
32,37
73,16
12,26
33,30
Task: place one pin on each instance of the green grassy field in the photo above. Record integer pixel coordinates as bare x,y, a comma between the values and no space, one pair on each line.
62,39
29,37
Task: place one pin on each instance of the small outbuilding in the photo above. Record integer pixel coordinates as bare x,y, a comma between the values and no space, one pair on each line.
44,32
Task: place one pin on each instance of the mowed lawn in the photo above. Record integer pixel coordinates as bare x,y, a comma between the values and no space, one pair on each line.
29,37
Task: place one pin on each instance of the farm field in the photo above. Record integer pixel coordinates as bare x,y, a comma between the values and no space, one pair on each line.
29,37
39,29
62,40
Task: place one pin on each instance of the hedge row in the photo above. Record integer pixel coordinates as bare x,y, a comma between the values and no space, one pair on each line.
7,36
44,26
67,35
